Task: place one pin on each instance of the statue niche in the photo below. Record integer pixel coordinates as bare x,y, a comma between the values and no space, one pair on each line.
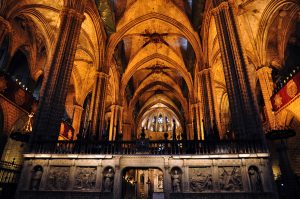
255,180
108,179
36,177
176,179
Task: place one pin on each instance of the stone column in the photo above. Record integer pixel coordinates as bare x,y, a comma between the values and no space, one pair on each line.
116,131
57,77
99,177
198,120
112,123
244,113
207,103
167,179
117,190
97,112
77,118
185,177
121,119
126,131
189,131
266,84
5,28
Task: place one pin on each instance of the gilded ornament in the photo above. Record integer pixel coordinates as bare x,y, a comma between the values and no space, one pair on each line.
278,101
291,89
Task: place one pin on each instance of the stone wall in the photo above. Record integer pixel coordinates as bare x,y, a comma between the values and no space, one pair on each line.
92,176
12,150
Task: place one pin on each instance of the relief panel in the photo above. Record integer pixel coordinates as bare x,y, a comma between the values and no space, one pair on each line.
200,179
230,179
58,178
85,178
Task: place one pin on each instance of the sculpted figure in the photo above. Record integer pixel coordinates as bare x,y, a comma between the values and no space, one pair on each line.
255,180
108,180
176,181
36,178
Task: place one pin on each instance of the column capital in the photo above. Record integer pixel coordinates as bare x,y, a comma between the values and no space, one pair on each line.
126,124
77,5
72,12
78,107
101,74
204,71
5,24
264,69
196,104
116,106
222,6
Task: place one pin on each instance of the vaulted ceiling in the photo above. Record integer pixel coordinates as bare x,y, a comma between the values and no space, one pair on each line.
151,49
156,50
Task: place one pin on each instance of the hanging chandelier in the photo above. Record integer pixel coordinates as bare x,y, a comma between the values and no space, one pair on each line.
23,134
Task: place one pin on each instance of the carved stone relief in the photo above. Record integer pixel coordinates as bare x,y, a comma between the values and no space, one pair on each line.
176,179
200,179
230,179
85,178
108,179
36,177
58,178
255,180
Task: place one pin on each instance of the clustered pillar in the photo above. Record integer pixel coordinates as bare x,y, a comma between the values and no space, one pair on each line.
266,84
244,112
57,75
77,118
208,111
115,122
98,105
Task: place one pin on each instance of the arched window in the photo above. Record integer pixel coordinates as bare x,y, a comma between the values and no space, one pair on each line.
19,70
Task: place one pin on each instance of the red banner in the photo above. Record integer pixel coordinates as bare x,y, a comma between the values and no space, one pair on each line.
287,93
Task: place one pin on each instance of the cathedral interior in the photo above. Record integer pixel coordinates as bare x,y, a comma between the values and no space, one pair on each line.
150,99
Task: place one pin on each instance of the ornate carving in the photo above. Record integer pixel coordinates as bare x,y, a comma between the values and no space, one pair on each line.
200,179
291,89
255,180
176,180
85,178
58,178
36,177
230,179
278,101
160,183
108,180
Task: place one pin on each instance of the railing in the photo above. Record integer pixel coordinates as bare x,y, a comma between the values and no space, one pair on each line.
223,195
150,147
9,172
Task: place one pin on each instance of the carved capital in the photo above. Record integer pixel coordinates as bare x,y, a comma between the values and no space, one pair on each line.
78,5
264,69
222,6
78,107
204,72
196,104
101,75
72,12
